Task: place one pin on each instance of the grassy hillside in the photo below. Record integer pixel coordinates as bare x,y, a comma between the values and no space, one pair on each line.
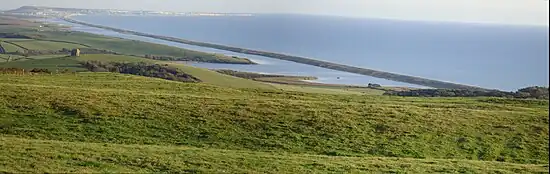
72,63
27,155
60,62
52,63
10,47
44,45
113,110
133,47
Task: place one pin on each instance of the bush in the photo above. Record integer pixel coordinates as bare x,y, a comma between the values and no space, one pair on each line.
142,69
529,92
40,70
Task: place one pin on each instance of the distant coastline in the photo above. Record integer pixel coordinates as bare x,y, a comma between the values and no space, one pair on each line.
308,61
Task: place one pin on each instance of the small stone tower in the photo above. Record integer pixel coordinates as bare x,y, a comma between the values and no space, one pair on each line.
75,52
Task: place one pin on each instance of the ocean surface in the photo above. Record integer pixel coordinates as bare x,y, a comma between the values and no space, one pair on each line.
492,56
266,65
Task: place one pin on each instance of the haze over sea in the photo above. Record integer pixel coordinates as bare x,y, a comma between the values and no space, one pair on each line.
502,57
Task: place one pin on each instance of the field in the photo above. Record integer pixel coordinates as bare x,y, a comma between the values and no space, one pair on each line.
52,37
95,157
110,122
52,63
10,47
72,63
43,45
60,62
133,47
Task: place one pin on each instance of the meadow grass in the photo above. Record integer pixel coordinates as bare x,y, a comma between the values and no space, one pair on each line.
130,47
10,47
60,62
318,89
207,76
39,156
45,45
132,110
72,63
8,57
50,62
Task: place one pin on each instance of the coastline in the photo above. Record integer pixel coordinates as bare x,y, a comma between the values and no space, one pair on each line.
319,63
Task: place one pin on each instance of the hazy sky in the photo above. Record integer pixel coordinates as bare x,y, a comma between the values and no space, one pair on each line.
533,12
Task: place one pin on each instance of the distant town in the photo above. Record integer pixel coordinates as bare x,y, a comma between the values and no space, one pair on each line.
60,12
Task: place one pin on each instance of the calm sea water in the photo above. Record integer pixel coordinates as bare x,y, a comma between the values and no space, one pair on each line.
491,56
266,65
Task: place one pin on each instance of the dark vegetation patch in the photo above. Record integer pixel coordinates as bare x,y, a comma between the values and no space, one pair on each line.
535,92
142,69
23,71
197,57
13,36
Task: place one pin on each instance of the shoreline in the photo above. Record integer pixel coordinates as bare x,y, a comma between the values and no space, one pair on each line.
319,63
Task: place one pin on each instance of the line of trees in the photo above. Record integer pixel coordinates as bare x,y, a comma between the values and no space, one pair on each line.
142,69
536,92
23,71
13,36
200,58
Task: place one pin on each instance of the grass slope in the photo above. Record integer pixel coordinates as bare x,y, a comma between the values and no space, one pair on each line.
38,156
10,47
44,45
72,63
61,62
51,63
123,109
321,90
131,47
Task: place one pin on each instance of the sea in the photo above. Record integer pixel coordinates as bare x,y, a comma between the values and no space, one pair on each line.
505,57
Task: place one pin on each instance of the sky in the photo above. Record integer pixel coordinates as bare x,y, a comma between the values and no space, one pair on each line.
520,12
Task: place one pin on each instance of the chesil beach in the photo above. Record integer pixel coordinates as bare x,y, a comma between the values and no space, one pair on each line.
482,55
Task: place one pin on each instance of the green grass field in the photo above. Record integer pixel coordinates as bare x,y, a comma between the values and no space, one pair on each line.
322,90
44,45
60,62
27,155
6,58
72,63
130,47
94,122
51,63
10,47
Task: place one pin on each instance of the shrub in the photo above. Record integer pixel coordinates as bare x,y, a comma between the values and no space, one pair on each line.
142,69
